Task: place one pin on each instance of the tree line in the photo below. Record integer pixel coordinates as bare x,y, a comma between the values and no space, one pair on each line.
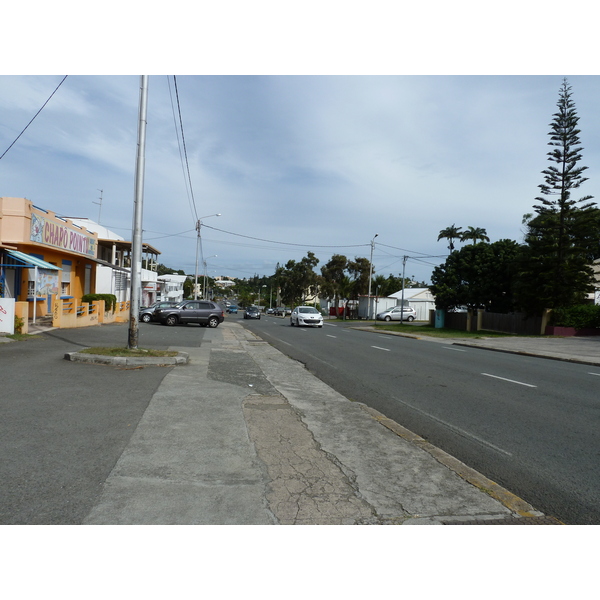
552,269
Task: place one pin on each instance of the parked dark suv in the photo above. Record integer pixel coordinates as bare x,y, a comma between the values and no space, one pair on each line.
191,311
147,314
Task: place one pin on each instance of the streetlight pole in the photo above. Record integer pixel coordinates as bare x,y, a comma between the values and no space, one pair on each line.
204,285
259,295
198,240
136,243
370,277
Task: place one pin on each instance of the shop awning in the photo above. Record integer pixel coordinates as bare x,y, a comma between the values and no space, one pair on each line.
105,263
29,261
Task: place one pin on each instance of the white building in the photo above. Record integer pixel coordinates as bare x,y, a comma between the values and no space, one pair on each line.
421,299
113,271
171,287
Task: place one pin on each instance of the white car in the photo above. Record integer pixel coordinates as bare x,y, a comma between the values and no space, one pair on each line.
408,313
306,315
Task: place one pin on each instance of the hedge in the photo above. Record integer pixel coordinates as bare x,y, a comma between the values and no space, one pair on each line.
110,300
579,317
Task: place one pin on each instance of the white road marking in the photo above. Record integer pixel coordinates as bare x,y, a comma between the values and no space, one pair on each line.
510,380
378,348
455,349
598,374
333,336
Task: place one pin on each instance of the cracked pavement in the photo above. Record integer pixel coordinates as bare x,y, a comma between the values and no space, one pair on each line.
245,435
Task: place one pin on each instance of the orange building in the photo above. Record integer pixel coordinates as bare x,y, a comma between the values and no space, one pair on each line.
42,255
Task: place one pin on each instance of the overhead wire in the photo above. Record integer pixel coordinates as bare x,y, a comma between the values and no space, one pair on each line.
283,243
187,181
36,114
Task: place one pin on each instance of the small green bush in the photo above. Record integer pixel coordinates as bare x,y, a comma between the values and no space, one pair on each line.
110,300
580,317
19,322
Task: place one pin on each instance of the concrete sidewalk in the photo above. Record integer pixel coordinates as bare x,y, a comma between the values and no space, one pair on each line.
245,435
585,350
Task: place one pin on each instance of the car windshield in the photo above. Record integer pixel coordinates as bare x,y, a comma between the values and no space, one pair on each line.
308,310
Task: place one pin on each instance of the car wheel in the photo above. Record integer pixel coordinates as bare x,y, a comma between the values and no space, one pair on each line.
388,318
213,322
171,320
291,322
146,318
411,318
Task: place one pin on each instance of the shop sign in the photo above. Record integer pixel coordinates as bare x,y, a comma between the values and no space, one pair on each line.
57,235
7,315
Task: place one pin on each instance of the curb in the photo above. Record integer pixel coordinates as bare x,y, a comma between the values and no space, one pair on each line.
579,361
182,358
517,505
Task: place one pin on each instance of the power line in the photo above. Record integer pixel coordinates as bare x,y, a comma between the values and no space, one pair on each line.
187,187
36,114
282,243
195,211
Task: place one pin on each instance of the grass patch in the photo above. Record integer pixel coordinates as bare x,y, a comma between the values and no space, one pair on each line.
21,337
103,351
440,333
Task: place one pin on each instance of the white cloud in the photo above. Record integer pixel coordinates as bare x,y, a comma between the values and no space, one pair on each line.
399,156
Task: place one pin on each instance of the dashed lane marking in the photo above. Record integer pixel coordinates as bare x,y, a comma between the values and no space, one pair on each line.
510,380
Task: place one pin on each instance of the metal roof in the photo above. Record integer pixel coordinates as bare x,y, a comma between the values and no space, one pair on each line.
30,261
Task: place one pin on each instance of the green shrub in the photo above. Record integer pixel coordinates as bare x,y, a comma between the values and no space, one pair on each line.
19,322
580,317
110,300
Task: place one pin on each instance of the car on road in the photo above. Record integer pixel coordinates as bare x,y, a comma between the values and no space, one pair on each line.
191,311
252,312
232,309
306,315
146,314
406,313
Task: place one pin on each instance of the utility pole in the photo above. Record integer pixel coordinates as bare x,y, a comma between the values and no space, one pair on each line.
100,203
370,277
136,245
402,306
198,247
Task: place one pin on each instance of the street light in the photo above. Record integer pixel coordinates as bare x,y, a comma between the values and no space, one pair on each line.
205,287
259,296
198,238
370,277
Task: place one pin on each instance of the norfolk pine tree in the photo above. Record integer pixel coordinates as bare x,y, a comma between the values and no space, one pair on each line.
555,266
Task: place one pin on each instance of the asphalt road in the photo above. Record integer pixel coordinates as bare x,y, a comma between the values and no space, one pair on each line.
63,425
530,424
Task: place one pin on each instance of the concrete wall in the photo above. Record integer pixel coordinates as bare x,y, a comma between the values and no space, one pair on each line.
68,314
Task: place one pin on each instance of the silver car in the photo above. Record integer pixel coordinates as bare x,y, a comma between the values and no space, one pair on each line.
406,313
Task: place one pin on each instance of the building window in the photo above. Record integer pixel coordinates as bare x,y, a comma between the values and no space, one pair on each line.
30,289
65,288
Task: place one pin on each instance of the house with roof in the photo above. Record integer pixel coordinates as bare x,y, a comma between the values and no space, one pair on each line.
421,299
113,271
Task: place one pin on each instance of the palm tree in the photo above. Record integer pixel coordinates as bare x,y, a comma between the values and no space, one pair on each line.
450,233
477,234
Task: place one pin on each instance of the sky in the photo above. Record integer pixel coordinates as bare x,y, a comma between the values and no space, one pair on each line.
293,163
312,135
